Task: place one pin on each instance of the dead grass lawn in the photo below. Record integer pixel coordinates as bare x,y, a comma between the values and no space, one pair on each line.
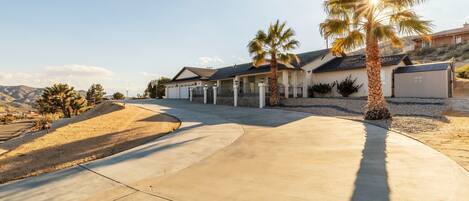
451,138
106,130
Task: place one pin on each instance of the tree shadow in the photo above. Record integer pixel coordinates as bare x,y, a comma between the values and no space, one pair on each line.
371,182
66,155
101,109
266,117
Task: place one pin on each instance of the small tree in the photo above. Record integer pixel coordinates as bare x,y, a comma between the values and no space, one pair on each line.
156,88
348,86
118,96
95,94
60,98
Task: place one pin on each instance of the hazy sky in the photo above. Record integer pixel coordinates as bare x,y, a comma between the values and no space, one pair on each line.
112,41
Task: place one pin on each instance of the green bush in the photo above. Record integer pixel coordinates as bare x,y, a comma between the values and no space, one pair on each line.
322,88
463,72
348,86
118,96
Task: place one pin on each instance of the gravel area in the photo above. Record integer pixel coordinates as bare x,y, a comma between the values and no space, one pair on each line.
411,115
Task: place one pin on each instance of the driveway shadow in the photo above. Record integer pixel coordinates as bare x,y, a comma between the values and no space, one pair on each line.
371,182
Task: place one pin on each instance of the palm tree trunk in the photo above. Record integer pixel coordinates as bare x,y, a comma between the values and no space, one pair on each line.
376,107
274,96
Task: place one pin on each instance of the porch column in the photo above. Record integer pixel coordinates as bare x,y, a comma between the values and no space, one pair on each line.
214,95
166,91
295,83
245,84
261,95
190,93
235,95
218,83
205,94
306,80
285,82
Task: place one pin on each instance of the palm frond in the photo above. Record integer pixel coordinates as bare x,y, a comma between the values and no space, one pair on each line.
352,41
334,27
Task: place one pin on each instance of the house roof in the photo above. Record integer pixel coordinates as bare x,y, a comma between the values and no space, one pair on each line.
249,68
423,67
202,73
359,61
464,29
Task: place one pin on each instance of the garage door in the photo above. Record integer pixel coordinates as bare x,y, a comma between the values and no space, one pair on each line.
173,93
184,92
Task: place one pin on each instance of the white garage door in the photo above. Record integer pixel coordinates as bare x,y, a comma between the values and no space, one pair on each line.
184,92
173,92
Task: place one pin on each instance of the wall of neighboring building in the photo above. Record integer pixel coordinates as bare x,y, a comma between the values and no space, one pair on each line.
444,40
430,84
362,78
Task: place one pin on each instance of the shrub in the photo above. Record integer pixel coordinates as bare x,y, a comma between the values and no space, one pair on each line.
322,88
118,96
463,72
348,86
45,122
7,119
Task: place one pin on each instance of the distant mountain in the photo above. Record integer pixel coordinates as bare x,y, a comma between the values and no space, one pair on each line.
18,98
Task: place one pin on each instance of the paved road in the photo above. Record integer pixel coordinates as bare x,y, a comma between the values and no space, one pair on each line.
281,155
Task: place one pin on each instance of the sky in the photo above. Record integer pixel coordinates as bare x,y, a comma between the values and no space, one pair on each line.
123,44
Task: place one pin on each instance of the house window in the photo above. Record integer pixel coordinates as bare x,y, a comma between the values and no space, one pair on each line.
426,44
458,39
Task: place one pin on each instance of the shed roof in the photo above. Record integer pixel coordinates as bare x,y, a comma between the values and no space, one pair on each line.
424,67
359,61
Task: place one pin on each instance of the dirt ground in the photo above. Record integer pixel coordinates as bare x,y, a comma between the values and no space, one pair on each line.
451,138
108,129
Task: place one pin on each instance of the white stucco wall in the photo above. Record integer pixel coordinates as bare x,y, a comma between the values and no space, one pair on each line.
360,74
318,62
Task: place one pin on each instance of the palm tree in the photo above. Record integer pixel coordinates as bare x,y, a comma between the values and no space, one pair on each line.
274,47
354,23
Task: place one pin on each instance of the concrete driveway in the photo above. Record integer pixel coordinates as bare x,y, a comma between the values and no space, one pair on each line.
281,155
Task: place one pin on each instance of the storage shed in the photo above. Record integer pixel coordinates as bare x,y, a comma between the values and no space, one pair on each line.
433,80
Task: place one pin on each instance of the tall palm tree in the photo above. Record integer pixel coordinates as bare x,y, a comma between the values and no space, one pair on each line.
273,47
354,23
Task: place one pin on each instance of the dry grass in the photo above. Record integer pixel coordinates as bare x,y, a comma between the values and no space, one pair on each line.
106,130
451,138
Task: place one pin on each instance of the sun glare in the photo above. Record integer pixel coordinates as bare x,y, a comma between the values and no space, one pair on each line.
374,2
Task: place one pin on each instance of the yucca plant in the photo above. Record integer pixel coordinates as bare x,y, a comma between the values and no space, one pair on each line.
354,23
274,46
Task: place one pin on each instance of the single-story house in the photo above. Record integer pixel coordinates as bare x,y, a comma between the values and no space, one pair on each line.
339,68
187,77
316,67
446,37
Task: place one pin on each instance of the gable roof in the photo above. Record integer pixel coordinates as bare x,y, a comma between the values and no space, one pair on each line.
424,67
359,61
202,73
249,68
